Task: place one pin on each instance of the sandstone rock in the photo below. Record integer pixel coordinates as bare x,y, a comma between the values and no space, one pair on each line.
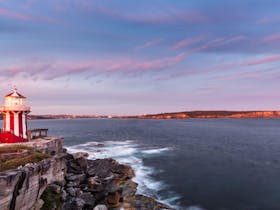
143,202
80,155
89,199
108,167
113,199
22,188
71,191
74,204
63,195
92,181
75,177
38,205
79,203
82,162
100,207
129,188
79,192
72,184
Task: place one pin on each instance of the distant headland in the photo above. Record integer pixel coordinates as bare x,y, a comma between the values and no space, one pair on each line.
173,115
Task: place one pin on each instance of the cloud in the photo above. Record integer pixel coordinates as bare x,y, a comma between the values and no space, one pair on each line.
186,42
268,20
186,17
271,38
157,17
25,17
51,68
149,44
260,61
15,15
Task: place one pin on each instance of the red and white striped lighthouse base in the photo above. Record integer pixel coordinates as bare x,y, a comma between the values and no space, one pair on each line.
15,123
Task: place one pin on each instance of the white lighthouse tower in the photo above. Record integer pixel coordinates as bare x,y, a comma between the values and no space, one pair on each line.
15,118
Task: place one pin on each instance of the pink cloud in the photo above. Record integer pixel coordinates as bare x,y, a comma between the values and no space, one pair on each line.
149,44
51,68
259,61
224,41
14,15
24,17
167,17
189,17
271,38
186,43
268,20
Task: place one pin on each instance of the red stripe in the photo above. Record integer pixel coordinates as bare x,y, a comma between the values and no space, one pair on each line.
5,126
25,123
12,122
20,124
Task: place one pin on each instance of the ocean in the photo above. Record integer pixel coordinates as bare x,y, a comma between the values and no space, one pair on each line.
192,164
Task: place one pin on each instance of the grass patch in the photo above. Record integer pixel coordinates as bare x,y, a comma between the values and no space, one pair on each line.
15,147
51,200
16,162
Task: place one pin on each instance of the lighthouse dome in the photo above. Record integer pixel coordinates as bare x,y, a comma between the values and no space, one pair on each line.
15,101
15,94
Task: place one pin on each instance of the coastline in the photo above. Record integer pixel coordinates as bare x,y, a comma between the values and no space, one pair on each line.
71,181
172,115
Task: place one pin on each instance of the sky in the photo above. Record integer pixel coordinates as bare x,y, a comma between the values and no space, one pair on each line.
125,57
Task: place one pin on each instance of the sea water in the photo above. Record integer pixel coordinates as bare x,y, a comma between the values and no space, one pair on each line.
214,164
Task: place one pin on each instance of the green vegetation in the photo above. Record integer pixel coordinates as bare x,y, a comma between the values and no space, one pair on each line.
15,147
16,162
51,200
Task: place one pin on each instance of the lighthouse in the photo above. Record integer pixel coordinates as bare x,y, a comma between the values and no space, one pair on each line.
14,113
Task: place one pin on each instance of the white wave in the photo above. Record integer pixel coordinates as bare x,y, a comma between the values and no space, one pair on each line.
156,151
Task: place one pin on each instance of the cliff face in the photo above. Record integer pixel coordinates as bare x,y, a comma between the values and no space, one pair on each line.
20,189
71,182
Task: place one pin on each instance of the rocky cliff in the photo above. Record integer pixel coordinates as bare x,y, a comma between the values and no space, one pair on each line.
71,182
92,184
21,189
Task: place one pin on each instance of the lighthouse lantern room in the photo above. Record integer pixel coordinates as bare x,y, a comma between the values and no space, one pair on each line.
14,113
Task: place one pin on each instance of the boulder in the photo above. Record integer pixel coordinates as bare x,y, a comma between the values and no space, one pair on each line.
71,191
72,184
75,177
80,155
92,181
63,195
74,204
113,199
82,162
89,199
100,207
79,203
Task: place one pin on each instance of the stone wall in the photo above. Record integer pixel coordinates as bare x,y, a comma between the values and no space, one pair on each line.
20,189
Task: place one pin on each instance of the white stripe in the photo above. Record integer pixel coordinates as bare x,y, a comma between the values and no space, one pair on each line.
16,124
7,122
24,125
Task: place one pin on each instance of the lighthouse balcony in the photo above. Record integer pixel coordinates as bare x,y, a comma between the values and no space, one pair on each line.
15,108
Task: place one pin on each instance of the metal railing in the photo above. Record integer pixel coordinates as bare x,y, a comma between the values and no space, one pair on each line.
15,108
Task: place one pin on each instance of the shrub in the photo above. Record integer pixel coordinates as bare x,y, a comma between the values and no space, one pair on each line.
16,162
51,200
